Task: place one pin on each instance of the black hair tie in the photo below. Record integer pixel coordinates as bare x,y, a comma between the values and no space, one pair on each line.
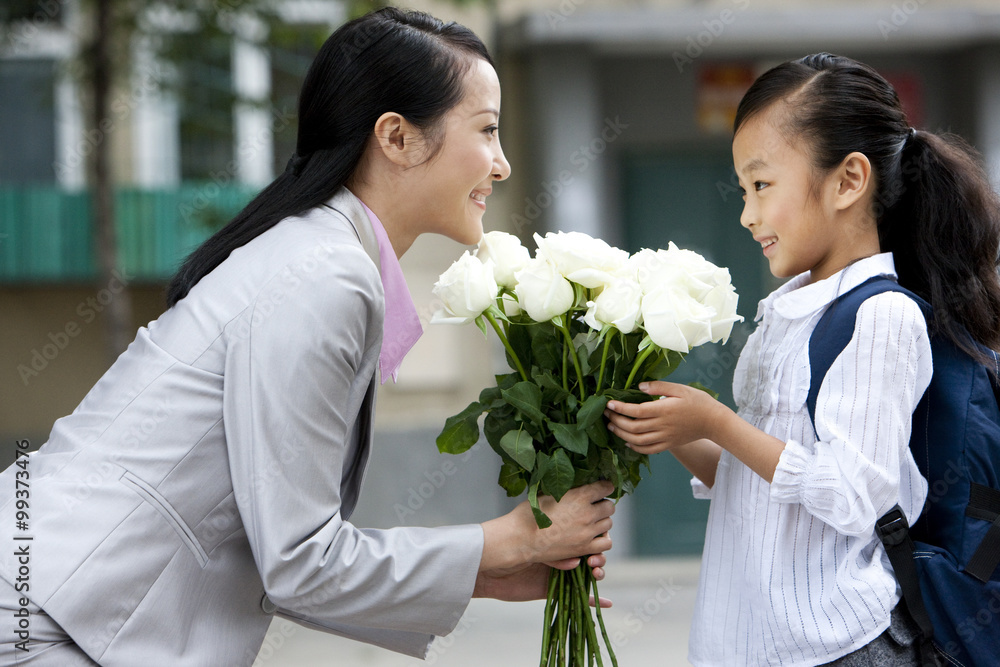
912,135
295,164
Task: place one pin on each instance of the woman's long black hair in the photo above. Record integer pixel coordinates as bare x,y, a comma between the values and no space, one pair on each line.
389,60
934,206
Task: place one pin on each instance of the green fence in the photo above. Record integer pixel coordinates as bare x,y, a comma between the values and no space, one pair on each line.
47,234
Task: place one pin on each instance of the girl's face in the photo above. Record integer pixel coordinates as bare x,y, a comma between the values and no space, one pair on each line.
458,179
786,209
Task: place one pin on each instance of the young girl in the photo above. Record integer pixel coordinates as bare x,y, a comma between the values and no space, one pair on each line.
205,483
838,189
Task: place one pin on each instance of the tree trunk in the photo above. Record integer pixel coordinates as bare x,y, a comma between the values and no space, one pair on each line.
118,312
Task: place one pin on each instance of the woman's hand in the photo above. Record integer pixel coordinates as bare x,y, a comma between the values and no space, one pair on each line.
517,553
530,582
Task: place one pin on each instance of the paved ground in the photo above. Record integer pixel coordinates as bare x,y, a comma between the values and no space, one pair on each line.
648,626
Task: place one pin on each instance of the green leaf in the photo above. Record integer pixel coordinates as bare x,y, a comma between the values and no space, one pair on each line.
519,337
546,347
552,391
629,395
627,346
496,425
512,479
489,396
663,366
526,397
591,411
496,311
594,358
509,380
541,518
610,470
521,447
598,433
542,463
698,385
481,323
461,431
558,479
572,437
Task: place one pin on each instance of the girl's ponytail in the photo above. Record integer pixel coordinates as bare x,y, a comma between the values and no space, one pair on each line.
944,233
934,206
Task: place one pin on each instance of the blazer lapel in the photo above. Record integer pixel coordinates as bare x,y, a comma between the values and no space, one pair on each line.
349,207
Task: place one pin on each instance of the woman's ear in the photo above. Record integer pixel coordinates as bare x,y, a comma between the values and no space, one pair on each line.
853,180
400,141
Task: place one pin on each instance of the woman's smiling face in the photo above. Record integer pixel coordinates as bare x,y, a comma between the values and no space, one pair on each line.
460,175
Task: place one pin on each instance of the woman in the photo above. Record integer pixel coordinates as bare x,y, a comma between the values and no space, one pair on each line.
205,483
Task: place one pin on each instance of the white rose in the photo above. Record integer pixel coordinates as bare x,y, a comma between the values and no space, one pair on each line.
542,291
674,320
643,265
619,305
466,289
507,253
723,300
698,266
581,258
682,269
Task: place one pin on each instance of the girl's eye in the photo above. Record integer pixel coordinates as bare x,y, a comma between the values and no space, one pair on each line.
759,185
492,130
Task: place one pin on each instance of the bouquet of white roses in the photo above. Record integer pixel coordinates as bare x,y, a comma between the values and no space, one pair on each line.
582,322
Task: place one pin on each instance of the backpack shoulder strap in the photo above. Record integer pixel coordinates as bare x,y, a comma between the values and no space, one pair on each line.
832,334
836,327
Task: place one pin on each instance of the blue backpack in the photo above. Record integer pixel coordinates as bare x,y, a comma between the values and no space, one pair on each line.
946,563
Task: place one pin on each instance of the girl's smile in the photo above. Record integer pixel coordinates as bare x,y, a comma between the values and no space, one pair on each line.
766,244
801,218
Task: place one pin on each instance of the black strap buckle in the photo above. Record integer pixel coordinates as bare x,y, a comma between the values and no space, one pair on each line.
893,528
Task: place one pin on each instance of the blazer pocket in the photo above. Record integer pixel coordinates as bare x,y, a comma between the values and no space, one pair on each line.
166,510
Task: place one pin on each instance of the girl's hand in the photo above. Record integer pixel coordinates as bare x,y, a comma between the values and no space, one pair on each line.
682,415
694,426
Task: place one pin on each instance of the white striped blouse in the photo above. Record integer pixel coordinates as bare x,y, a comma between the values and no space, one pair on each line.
792,573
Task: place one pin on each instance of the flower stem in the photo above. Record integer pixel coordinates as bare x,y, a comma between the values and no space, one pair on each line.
563,618
576,360
549,609
600,620
582,575
506,344
505,322
638,362
565,358
604,359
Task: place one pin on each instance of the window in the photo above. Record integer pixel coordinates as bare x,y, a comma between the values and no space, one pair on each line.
292,51
36,11
206,102
27,121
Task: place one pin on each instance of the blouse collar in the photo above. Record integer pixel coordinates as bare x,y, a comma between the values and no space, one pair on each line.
799,298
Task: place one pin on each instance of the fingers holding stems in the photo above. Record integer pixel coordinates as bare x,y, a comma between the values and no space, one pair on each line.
681,415
517,555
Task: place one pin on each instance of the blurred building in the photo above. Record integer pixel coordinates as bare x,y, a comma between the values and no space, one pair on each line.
616,119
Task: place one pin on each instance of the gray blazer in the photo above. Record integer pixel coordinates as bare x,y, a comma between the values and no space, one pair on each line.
206,481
